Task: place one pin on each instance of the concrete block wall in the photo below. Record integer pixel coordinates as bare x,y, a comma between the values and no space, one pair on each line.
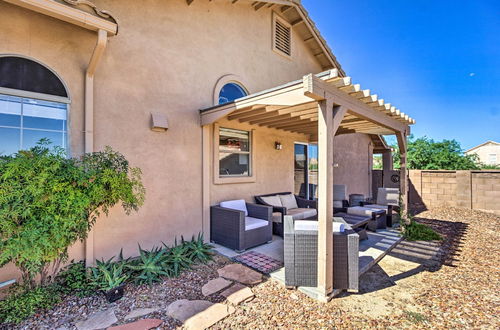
479,190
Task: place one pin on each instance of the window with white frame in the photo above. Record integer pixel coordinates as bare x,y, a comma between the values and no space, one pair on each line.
234,153
33,105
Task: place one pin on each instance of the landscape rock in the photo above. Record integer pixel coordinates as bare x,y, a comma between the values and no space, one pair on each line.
240,273
237,294
214,286
140,312
208,317
98,320
184,309
145,324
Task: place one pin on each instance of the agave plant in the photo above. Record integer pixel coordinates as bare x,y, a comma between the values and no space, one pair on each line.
108,275
198,250
177,259
148,268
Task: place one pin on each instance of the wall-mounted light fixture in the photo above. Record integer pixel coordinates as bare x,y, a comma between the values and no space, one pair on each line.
159,122
278,145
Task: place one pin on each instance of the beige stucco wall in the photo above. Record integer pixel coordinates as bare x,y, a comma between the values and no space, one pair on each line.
167,58
485,151
353,153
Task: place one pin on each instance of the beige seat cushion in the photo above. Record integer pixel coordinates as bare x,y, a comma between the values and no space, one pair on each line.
300,214
254,223
272,200
379,207
288,201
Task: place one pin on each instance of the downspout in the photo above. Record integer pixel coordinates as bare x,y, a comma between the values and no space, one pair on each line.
102,40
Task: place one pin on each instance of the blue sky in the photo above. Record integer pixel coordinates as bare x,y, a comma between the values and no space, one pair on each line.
438,61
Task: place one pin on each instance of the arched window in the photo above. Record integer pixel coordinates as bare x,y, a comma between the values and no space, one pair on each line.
33,105
230,92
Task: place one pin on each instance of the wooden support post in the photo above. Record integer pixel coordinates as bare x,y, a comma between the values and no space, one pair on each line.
403,176
329,119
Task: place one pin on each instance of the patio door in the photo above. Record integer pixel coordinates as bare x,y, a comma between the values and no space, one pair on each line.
306,170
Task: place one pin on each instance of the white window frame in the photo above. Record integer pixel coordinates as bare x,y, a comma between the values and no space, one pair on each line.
44,97
229,179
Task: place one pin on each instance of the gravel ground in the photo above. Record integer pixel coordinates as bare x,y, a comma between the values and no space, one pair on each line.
159,295
450,284
455,285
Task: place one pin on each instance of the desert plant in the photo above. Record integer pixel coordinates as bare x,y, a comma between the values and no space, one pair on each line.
21,304
198,250
75,279
178,259
149,267
108,275
49,201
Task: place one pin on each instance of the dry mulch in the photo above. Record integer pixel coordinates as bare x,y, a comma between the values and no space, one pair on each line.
457,288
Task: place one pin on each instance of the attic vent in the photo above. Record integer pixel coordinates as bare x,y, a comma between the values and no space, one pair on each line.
282,37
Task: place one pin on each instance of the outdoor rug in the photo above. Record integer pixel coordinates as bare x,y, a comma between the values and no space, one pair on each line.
259,261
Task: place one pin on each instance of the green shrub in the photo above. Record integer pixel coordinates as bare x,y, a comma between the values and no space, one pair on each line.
21,305
108,275
49,201
74,279
415,231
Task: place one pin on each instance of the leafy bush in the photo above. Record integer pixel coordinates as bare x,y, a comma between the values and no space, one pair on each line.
19,306
108,275
415,231
74,279
49,201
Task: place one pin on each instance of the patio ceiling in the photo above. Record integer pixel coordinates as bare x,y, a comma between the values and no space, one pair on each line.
293,107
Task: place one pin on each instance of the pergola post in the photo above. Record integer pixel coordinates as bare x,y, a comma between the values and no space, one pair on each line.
403,176
329,119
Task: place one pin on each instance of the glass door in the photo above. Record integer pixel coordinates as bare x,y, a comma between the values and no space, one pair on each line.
306,170
300,170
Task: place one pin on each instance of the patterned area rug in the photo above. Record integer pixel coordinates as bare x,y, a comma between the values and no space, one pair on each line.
259,261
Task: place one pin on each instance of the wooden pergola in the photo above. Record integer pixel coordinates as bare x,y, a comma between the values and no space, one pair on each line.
320,106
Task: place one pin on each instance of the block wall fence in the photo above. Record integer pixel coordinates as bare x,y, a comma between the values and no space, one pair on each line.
477,190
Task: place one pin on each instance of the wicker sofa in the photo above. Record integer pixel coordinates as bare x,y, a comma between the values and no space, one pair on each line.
285,203
301,256
242,226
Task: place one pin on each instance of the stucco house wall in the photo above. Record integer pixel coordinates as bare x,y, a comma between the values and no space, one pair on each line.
167,58
485,151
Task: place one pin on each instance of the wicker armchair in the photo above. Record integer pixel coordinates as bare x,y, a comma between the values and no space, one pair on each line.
232,228
301,257
305,210
387,200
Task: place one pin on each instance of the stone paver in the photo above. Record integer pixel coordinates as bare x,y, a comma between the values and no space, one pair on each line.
198,314
184,309
145,324
208,317
140,312
98,320
240,273
237,294
214,286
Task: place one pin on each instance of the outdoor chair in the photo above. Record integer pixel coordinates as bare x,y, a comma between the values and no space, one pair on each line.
340,202
239,225
301,255
387,200
285,203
